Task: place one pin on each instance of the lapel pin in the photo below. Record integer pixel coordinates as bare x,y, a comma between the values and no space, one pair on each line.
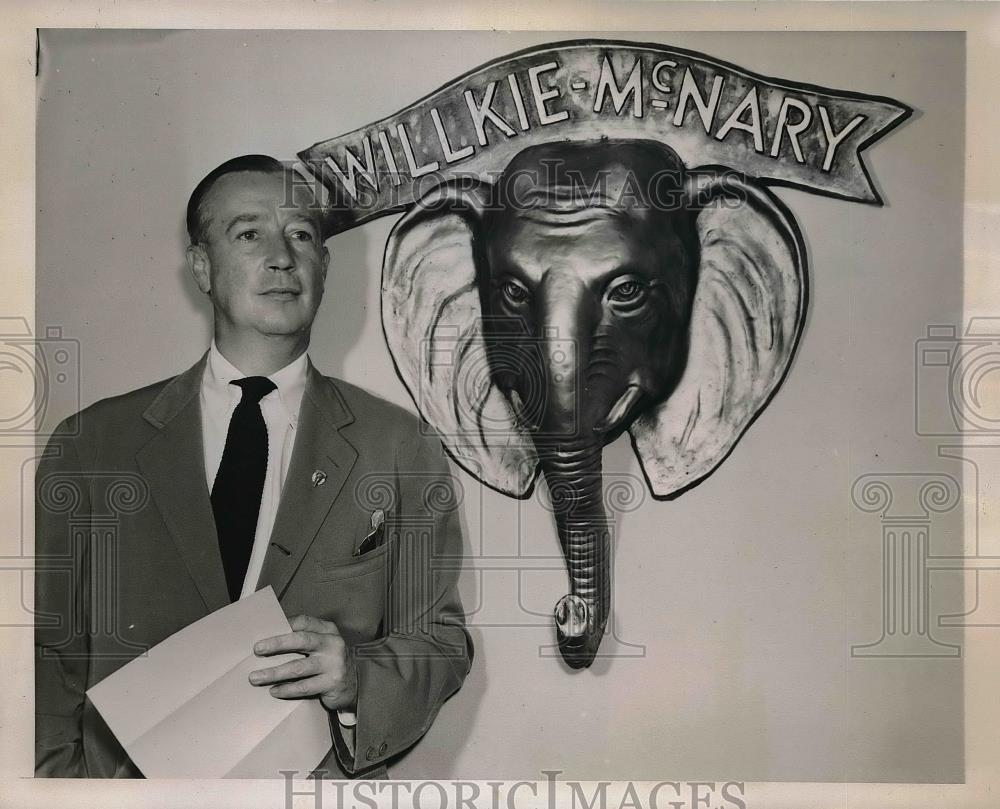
318,478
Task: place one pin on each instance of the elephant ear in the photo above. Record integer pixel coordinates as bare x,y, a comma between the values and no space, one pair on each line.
432,318
748,314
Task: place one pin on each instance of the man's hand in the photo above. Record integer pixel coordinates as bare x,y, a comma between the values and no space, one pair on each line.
328,670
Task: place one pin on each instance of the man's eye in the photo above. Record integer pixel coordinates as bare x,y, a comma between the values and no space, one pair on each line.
247,236
514,292
627,291
302,236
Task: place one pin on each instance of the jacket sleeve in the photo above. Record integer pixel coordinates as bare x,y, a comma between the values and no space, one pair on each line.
62,506
425,651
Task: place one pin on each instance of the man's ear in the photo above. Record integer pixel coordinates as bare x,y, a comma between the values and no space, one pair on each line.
200,267
326,261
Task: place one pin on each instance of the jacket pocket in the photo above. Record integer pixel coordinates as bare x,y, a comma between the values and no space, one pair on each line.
371,562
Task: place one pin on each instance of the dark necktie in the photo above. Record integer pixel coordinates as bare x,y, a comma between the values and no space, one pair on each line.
240,481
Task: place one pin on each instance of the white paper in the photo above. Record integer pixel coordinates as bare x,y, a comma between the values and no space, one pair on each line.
186,709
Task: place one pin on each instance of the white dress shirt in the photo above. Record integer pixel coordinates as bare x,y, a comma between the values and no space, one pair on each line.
280,409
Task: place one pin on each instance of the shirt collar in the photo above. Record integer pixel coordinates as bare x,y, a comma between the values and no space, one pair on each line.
290,380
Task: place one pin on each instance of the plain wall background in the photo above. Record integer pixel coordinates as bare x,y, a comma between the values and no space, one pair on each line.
748,591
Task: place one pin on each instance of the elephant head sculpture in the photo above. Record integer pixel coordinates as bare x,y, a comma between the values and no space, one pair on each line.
596,287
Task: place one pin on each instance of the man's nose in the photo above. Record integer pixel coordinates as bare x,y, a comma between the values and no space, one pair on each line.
280,255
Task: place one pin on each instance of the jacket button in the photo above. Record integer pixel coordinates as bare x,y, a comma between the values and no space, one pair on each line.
382,748
371,754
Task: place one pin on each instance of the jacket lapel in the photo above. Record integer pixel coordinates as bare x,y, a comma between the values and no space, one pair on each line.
306,498
173,464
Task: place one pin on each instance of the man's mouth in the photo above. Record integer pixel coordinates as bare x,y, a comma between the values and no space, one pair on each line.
281,294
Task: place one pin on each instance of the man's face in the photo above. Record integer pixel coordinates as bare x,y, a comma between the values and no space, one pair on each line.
262,261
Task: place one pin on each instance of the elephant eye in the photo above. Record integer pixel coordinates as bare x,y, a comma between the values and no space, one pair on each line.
514,291
628,291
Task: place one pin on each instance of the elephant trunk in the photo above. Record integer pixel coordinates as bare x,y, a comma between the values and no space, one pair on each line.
584,374
573,475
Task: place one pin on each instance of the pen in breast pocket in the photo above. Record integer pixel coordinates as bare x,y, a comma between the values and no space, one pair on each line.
374,537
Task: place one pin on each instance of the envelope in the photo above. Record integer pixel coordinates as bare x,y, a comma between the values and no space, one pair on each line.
186,709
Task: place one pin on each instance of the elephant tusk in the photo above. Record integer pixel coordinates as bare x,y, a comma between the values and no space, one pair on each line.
620,409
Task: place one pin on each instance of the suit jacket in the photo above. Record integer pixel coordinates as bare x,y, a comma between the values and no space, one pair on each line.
128,554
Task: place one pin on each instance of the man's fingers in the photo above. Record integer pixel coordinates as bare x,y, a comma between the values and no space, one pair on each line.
321,673
308,635
292,670
310,624
311,687
298,641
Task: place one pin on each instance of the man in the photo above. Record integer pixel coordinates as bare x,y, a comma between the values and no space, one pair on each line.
249,470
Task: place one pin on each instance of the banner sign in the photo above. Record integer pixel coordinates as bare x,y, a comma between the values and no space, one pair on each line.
710,112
